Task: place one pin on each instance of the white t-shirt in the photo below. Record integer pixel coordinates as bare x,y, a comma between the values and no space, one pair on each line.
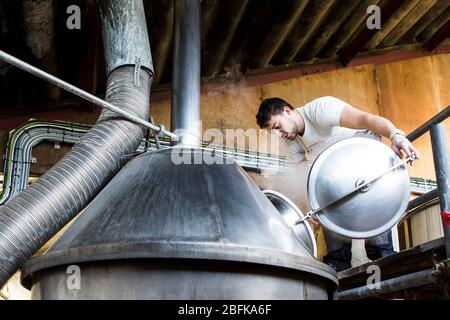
322,128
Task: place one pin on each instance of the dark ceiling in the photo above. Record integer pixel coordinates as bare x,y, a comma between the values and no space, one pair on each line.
237,37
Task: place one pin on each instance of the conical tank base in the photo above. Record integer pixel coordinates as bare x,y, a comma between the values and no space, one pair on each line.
165,230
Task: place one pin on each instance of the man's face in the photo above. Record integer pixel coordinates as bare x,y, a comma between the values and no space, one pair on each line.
283,124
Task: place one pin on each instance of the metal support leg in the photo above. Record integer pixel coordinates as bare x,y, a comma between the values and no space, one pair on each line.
441,164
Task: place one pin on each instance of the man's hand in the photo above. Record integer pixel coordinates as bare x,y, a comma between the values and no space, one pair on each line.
314,222
401,143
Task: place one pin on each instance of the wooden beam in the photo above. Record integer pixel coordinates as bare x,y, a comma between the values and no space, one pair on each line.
271,74
347,53
306,27
329,28
209,12
424,22
90,40
408,22
436,39
160,29
351,27
393,21
219,39
436,25
285,22
251,33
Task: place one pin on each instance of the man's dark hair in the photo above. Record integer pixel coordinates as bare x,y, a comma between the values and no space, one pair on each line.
270,107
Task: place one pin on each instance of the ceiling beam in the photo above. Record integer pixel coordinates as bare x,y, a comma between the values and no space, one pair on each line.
259,77
341,38
394,20
209,12
440,36
160,29
90,39
251,33
436,25
286,21
329,28
219,39
408,22
347,53
306,27
424,22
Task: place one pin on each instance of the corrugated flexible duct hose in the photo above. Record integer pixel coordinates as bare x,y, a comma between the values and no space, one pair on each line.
40,211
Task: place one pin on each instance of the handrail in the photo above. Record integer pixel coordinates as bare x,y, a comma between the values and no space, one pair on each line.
440,152
441,116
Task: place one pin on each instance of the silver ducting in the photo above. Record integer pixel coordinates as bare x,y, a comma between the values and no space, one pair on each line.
125,33
185,116
35,215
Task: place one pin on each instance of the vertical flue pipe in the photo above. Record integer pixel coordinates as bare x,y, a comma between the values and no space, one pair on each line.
185,115
41,210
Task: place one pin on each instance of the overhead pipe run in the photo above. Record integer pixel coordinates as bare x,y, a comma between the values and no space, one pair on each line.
20,143
36,214
22,140
185,115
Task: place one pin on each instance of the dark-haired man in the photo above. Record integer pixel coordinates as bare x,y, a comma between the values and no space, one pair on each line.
309,130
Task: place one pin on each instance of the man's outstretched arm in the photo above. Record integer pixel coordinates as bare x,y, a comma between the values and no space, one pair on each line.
357,119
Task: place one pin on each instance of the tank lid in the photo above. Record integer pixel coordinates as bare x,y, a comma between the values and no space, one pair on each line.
343,167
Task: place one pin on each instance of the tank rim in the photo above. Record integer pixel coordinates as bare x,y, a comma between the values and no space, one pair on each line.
176,250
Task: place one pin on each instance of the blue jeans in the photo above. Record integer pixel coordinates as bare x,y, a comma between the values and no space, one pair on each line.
339,249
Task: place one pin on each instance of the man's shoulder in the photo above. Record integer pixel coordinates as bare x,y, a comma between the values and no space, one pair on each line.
323,101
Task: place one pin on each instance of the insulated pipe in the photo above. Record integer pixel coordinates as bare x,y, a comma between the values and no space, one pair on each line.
36,214
185,115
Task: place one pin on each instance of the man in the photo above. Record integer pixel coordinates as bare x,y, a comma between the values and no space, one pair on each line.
309,130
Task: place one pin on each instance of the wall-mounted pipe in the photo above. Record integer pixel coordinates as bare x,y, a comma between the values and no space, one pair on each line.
20,143
185,115
37,213
22,140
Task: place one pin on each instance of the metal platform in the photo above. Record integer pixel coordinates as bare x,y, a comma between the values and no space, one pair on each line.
421,272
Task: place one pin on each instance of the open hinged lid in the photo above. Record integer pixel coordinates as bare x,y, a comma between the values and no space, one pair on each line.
290,214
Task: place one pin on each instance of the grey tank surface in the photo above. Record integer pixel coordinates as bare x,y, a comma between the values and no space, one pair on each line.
161,230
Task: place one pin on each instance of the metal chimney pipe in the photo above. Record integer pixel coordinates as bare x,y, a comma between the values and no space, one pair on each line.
185,116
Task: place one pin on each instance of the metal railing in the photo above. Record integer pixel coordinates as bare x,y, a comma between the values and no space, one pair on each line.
440,152
440,194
